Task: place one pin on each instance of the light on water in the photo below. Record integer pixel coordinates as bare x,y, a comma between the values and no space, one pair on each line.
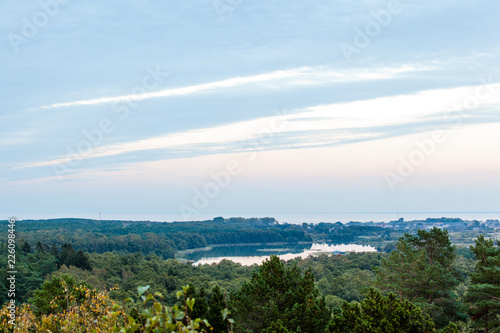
315,249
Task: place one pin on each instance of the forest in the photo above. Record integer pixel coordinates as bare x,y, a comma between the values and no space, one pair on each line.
93,276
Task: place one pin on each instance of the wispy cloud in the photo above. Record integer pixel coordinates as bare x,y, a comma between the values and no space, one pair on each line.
281,78
12,142
17,138
320,125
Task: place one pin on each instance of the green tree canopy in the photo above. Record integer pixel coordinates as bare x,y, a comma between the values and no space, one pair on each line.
422,271
279,292
484,291
379,314
216,305
26,247
55,295
276,327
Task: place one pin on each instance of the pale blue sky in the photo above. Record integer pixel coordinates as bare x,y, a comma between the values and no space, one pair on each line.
263,84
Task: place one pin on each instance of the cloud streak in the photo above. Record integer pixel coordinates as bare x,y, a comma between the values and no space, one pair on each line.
312,126
303,76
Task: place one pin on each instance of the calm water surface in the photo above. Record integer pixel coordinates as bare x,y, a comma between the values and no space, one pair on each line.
255,254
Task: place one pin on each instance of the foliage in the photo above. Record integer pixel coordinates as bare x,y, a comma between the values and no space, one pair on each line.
484,292
380,314
422,271
165,276
216,305
276,327
25,246
32,268
54,295
96,312
161,318
424,268
83,311
450,328
161,239
200,309
69,257
340,233
349,286
278,292
343,277
215,310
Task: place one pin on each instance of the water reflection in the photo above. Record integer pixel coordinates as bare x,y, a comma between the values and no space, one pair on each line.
250,255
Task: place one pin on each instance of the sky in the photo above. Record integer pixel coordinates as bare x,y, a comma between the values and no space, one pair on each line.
249,107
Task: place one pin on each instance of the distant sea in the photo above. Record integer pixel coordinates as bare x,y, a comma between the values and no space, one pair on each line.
289,218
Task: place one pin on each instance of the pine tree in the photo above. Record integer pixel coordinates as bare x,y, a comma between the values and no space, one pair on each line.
400,272
26,247
377,314
54,251
278,292
216,305
200,308
39,247
276,327
81,260
484,291
66,255
421,270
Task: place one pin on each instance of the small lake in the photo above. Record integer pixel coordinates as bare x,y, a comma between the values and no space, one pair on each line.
255,254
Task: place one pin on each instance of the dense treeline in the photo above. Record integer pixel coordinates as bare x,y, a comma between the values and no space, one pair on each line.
343,277
338,232
161,239
33,268
425,284
165,239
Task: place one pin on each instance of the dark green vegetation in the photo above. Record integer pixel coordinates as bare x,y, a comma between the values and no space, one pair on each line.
377,313
426,284
484,290
422,270
278,293
162,239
